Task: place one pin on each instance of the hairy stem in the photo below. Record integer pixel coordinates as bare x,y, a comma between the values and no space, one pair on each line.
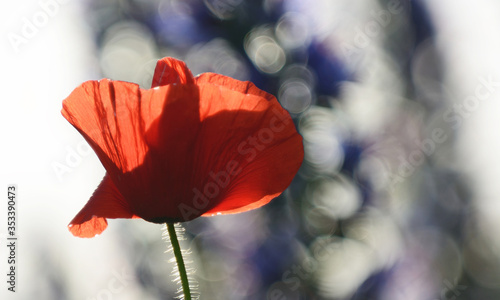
180,261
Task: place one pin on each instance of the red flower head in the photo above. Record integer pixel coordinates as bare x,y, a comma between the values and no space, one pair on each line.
187,147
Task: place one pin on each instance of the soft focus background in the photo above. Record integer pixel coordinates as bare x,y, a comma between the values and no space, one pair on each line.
398,104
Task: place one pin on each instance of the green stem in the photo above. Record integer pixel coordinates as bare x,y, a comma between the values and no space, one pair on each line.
180,261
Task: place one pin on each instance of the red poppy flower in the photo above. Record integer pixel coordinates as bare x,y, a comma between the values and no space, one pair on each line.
187,147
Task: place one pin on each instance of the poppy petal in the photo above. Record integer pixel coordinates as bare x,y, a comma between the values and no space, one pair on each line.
244,87
122,122
170,70
248,149
212,144
168,167
113,116
106,202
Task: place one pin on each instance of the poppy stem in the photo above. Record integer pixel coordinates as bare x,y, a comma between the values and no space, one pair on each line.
180,261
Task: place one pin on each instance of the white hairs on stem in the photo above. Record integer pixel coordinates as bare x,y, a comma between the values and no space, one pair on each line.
193,284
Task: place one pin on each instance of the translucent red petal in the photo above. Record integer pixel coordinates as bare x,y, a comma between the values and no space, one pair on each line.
169,70
106,202
186,148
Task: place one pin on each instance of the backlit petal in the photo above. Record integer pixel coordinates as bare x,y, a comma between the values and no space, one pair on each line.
121,123
260,137
169,70
246,152
168,166
106,202
114,117
185,148
244,87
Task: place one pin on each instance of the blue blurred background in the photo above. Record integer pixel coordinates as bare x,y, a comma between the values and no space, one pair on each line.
398,105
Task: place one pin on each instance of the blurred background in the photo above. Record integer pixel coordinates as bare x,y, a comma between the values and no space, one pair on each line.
398,104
